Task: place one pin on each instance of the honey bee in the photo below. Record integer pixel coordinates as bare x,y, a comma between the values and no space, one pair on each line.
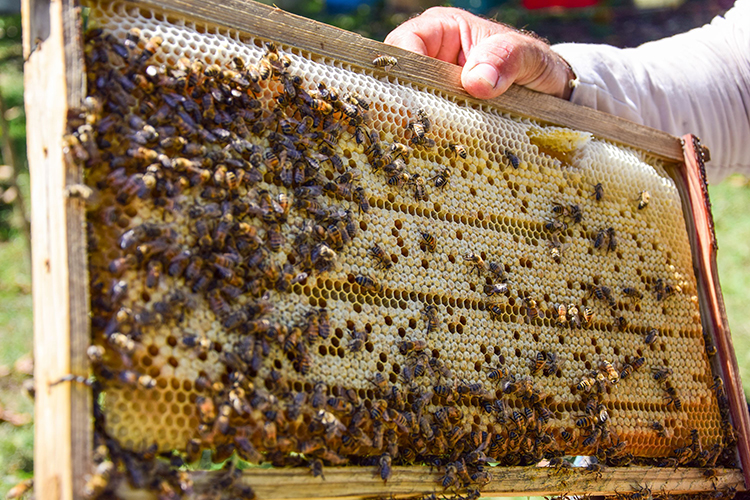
324,324
562,315
431,313
556,249
384,464
429,241
360,197
380,256
573,317
359,338
367,284
385,62
442,178
496,289
149,50
409,346
586,384
612,245
475,260
530,306
588,315
598,191
450,477
539,362
514,161
419,187
661,374
600,236
658,427
458,150
609,370
643,199
498,271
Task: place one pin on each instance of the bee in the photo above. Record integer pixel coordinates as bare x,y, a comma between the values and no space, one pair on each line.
556,249
497,374
600,236
661,374
360,197
458,150
598,191
419,130
612,245
496,289
429,241
586,384
450,477
442,178
385,62
718,387
409,346
419,187
621,323
514,161
609,370
562,315
643,199
431,313
380,256
149,50
476,261
539,362
575,320
658,427
324,324
384,464
567,436
588,315
555,226
398,179
531,308
358,340
596,469
367,284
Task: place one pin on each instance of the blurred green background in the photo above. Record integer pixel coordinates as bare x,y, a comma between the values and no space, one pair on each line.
616,22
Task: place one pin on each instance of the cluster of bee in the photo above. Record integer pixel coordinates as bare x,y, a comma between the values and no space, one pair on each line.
237,178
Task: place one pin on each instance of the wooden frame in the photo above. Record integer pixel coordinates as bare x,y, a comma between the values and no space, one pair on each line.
55,84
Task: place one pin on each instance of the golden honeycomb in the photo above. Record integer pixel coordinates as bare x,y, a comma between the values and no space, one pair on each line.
559,287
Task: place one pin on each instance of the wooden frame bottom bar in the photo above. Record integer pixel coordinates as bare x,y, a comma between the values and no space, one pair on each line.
342,483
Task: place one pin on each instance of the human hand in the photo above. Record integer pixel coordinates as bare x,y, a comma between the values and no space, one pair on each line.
493,55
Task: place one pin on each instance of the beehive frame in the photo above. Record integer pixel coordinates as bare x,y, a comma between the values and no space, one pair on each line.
53,49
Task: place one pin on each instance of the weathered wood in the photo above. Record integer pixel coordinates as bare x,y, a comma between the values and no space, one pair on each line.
54,82
348,483
326,41
694,193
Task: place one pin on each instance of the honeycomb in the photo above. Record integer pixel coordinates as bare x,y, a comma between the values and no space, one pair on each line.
300,261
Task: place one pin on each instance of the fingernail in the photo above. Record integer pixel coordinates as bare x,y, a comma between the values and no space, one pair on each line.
486,74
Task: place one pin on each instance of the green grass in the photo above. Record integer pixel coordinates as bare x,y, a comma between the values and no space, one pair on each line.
16,443
731,209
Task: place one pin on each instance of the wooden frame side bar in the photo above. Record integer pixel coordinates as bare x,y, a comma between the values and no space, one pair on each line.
326,41
54,83
704,259
344,483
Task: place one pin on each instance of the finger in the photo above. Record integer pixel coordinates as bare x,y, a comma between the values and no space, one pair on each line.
496,62
435,33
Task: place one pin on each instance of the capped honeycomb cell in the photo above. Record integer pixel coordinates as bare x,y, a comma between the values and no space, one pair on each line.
293,257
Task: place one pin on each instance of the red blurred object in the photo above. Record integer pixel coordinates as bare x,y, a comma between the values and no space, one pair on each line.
565,4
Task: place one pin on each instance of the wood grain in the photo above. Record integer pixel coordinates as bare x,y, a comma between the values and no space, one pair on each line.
54,81
326,41
348,483
703,241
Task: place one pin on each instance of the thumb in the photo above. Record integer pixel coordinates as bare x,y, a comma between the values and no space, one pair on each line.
494,64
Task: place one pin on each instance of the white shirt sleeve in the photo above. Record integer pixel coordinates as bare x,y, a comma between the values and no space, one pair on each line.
696,82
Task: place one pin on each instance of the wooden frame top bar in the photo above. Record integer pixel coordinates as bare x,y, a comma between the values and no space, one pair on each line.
328,41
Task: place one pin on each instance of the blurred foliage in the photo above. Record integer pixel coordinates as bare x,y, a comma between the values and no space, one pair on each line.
615,22
11,87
